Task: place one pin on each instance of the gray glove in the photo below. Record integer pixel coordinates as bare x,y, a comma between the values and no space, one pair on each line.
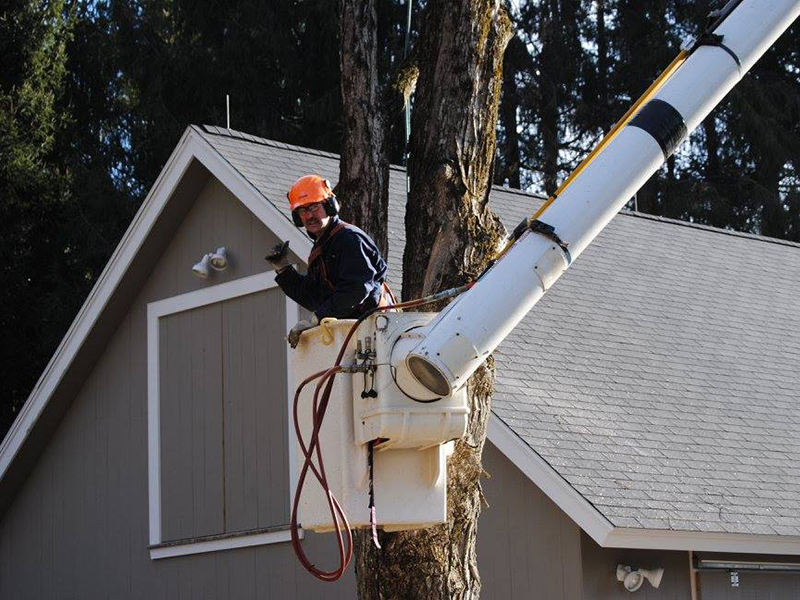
294,334
277,256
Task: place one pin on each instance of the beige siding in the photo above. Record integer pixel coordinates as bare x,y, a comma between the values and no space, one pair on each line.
254,351
758,586
191,423
527,547
600,565
78,528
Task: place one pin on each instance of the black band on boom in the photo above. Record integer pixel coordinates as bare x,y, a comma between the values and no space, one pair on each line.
549,231
661,120
712,39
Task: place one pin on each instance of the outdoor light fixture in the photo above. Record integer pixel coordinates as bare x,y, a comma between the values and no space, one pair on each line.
201,269
217,260
632,579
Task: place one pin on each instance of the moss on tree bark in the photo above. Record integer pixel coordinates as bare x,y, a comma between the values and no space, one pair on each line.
451,235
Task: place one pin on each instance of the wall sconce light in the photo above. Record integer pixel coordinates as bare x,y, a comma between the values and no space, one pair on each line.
201,268
217,260
632,579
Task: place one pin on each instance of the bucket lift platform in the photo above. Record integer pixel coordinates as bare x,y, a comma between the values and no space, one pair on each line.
379,401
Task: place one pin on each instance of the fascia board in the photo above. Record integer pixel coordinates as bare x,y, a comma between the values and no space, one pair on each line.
602,531
95,303
702,541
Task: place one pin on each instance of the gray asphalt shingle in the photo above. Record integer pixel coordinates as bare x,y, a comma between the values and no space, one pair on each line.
660,376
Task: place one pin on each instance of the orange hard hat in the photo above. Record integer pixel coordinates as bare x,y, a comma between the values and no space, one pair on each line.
308,190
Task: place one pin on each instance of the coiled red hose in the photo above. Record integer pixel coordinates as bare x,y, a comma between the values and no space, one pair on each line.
344,536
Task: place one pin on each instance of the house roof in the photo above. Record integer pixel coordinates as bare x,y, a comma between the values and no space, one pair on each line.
661,375
658,377
650,393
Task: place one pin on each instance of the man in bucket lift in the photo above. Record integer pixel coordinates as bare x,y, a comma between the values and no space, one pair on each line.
346,272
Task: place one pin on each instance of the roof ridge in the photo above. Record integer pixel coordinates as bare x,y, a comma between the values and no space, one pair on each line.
246,137
710,228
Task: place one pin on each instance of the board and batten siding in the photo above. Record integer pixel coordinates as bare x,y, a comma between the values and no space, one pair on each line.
78,527
223,417
600,567
760,586
528,548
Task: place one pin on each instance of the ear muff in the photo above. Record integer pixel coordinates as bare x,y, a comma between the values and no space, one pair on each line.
298,222
295,216
331,206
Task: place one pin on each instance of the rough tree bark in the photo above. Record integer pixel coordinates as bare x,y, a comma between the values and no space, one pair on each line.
450,236
363,186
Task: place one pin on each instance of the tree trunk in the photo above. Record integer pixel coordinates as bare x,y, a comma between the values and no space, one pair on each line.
450,236
509,106
549,76
647,196
602,67
363,187
712,166
774,218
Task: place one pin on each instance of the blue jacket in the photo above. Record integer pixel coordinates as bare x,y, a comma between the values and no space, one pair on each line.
345,274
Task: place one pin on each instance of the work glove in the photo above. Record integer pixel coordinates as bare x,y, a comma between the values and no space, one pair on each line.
294,334
277,256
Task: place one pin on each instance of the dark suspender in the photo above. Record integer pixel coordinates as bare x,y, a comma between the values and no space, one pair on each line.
316,253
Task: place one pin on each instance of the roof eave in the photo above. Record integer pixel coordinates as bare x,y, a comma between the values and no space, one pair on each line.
706,541
603,531
191,146
547,479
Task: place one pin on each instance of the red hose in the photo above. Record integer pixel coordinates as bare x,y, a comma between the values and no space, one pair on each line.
319,407
337,513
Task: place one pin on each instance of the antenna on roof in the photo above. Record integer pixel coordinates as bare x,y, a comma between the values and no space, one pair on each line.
228,109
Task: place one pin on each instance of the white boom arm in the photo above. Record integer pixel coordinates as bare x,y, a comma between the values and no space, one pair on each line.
462,336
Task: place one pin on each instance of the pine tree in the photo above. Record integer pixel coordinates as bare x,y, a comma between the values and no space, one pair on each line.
34,186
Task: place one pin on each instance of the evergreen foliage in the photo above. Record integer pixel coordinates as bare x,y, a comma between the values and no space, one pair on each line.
94,94
35,188
570,83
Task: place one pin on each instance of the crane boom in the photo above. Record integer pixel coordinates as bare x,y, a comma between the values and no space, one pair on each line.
458,340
